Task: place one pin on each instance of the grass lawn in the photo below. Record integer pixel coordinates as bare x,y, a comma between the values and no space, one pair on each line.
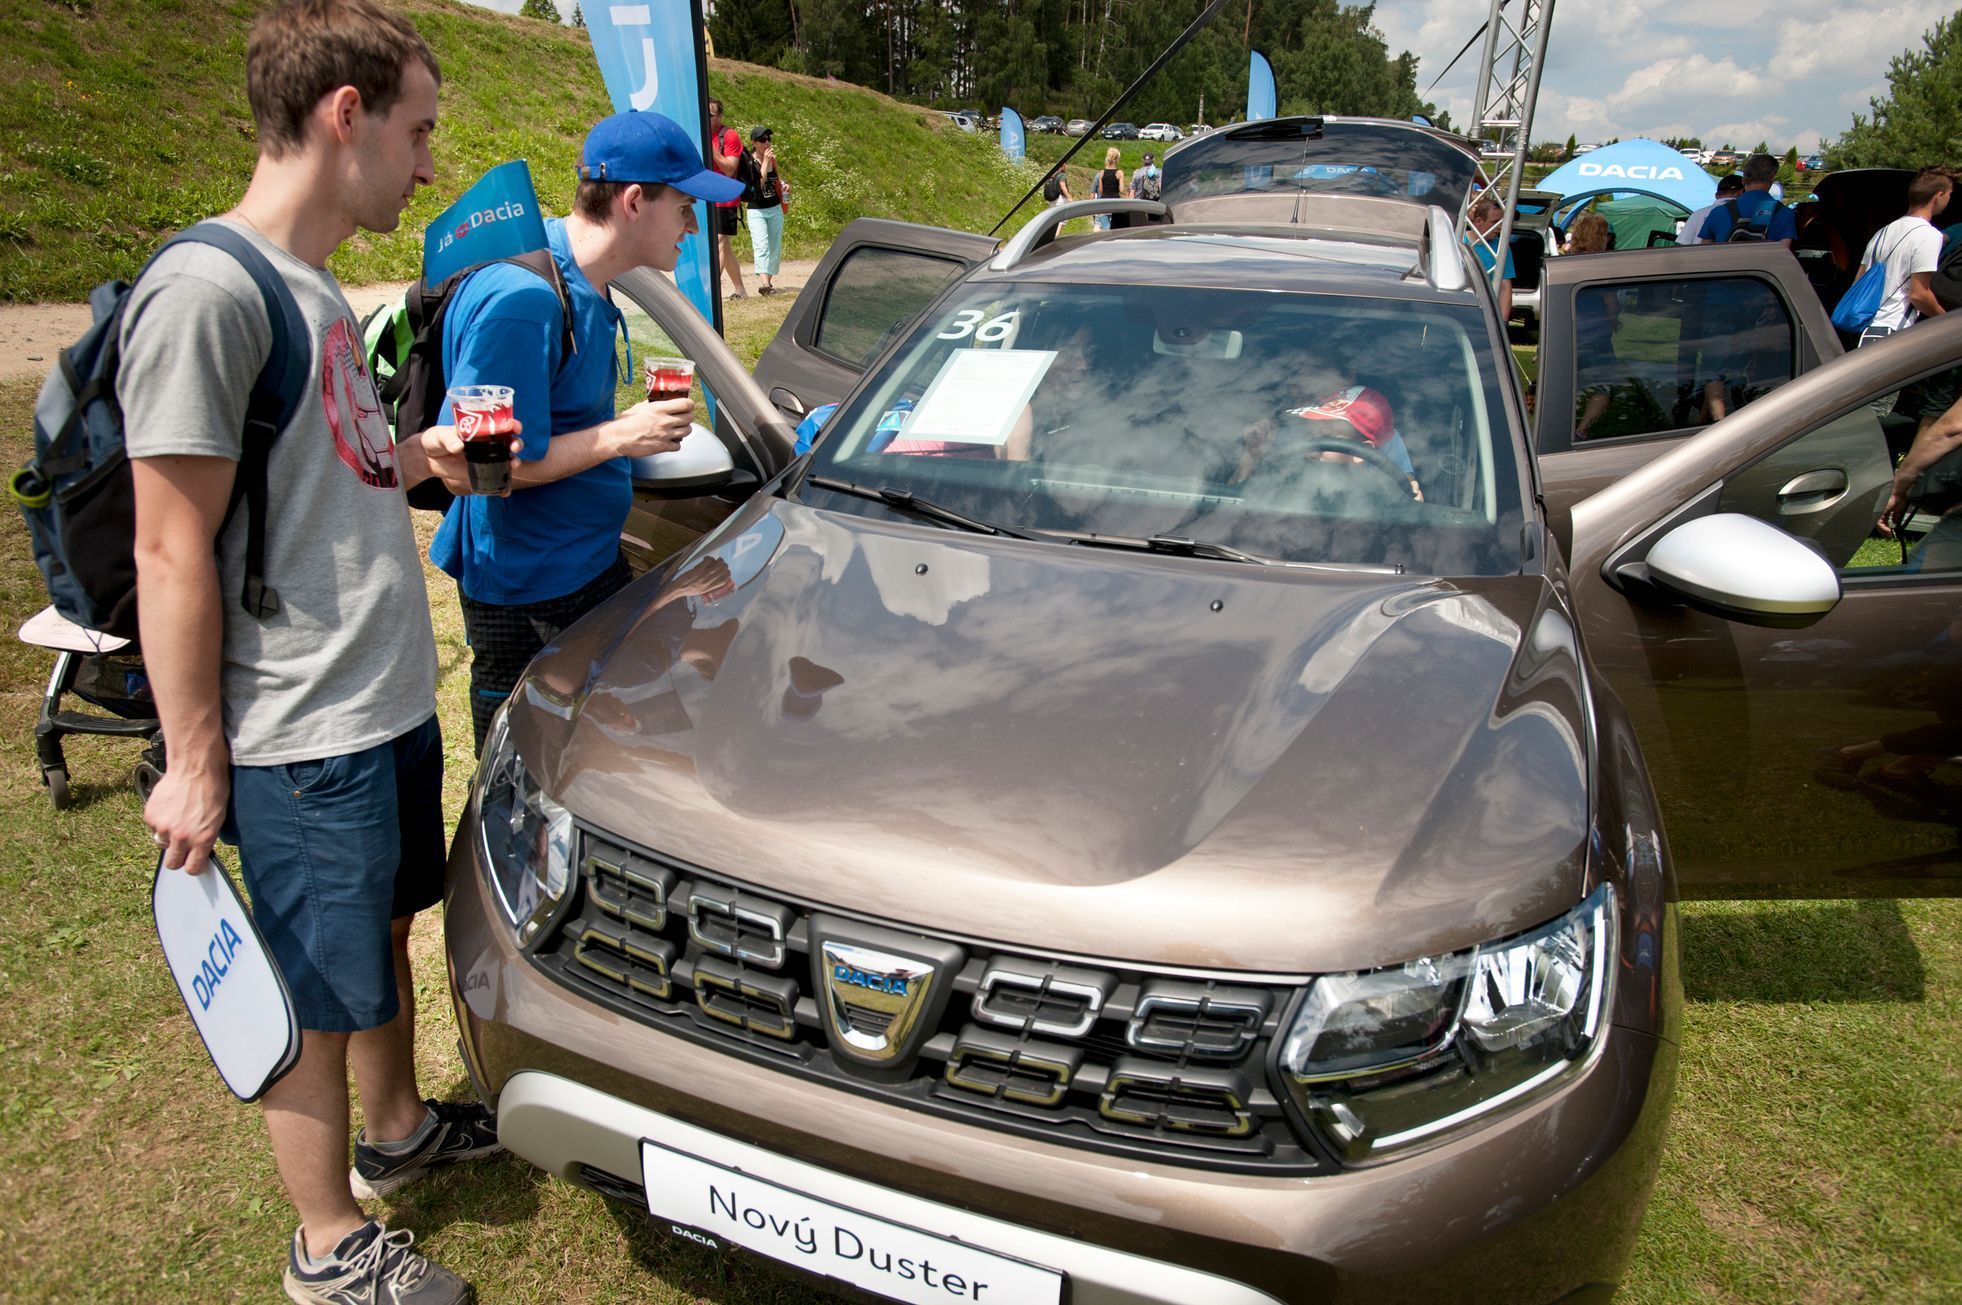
1813,1152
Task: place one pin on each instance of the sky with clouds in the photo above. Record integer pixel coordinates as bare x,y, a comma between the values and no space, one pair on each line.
1791,73
1723,71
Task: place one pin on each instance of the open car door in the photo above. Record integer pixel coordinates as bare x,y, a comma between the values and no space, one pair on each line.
874,280
1641,349
673,506
1801,716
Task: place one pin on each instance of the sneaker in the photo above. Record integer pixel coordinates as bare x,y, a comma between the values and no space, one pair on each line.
456,1131
372,1266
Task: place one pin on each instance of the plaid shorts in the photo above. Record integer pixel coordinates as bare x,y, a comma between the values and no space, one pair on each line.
504,639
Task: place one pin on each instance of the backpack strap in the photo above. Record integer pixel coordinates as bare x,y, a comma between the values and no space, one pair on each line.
276,396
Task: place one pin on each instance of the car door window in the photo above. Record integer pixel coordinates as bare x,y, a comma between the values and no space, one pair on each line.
1656,357
873,296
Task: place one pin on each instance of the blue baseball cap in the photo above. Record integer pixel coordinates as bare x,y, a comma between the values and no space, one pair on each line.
652,149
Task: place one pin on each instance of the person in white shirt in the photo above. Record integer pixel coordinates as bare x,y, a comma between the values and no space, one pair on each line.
1910,246
1729,187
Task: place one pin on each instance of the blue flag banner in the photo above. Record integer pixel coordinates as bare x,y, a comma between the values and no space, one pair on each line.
1012,136
651,57
1260,87
496,218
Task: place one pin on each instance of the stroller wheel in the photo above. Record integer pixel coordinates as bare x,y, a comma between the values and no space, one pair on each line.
146,777
57,782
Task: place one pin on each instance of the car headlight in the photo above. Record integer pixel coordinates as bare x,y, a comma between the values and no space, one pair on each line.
1387,1061
525,837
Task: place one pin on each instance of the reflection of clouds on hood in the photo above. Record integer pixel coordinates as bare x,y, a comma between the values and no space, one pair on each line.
1725,73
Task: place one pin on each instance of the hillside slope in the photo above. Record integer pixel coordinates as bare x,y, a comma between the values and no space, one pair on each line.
126,119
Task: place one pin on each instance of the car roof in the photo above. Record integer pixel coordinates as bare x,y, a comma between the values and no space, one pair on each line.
1235,255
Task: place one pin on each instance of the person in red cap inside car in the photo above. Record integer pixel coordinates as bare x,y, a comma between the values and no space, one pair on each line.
1352,411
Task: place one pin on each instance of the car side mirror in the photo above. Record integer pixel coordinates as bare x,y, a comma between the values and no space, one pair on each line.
1741,569
701,465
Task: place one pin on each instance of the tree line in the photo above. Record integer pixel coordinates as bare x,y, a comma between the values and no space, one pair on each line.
1073,57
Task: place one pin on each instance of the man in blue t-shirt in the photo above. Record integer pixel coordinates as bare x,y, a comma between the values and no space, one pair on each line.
530,564
1486,211
1760,171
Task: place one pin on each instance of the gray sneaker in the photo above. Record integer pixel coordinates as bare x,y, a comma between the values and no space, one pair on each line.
460,1131
373,1266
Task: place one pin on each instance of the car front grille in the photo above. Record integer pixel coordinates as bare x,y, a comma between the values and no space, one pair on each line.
1166,1066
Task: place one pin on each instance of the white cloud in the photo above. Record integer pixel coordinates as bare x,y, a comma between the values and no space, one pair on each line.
1671,82
1853,37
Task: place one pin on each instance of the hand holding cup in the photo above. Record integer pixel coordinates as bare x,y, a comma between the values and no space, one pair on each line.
485,422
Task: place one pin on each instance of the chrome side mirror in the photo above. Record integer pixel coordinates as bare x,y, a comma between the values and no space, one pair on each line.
1742,569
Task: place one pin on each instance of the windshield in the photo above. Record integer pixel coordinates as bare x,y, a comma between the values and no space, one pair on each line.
1297,427
1339,158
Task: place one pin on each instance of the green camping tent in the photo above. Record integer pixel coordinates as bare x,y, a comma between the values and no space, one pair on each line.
1633,217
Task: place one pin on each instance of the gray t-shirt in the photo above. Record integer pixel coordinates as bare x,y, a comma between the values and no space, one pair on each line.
349,660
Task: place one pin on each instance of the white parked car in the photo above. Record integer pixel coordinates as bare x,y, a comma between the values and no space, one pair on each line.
1164,131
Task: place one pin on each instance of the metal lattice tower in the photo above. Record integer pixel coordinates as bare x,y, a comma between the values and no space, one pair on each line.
1508,85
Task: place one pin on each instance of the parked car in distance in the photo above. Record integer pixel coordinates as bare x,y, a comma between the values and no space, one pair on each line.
1163,131
1812,163
963,119
1121,131
1048,125
1197,129
1090,823
1078,127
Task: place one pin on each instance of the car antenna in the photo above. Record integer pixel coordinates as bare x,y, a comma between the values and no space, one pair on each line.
1198,24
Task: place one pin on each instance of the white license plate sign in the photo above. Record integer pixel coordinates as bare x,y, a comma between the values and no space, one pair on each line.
890,1259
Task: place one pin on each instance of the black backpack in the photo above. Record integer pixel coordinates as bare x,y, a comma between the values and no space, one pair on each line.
76,490
1752,228
1052,187
403,342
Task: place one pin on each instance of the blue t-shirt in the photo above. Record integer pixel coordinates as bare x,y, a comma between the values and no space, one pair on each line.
1782,226
504,328
1485,257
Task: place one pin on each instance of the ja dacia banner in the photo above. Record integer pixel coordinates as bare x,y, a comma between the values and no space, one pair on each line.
651,57
1260,87
1013,138
496,218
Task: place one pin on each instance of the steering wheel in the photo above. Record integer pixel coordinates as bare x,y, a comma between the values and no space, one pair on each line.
1362,450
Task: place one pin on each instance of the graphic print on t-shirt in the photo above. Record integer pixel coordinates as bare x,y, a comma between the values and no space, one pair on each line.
354,410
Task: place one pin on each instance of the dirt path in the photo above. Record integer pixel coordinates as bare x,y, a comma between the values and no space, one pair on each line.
31,335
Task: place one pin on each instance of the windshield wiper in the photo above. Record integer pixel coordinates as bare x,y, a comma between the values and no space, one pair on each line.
905,500
1172,545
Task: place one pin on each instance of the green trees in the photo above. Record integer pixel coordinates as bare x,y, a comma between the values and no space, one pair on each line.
1920,121
543,10
1074,56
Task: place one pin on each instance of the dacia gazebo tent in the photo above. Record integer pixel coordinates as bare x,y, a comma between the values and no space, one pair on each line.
1644,167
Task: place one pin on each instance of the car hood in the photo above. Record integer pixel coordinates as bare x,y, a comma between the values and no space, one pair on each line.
1101,754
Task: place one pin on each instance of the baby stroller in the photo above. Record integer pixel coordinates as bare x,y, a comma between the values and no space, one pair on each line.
105,672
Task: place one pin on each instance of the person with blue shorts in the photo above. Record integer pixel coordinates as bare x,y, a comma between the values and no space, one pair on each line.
305,732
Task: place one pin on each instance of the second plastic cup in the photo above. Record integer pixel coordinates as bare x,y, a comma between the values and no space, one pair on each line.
670,378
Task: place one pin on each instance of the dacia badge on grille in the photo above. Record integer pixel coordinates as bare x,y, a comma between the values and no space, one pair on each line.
873,998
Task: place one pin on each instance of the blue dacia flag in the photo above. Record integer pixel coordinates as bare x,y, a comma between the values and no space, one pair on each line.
496,218
1260,87
651,57
1012,136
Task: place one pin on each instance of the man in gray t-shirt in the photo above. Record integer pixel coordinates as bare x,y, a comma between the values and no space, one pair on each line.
306,734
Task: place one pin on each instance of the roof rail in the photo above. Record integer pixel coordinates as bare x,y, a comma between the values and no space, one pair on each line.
1444,261
1041,228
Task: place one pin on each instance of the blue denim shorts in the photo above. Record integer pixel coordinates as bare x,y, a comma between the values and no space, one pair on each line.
332,850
